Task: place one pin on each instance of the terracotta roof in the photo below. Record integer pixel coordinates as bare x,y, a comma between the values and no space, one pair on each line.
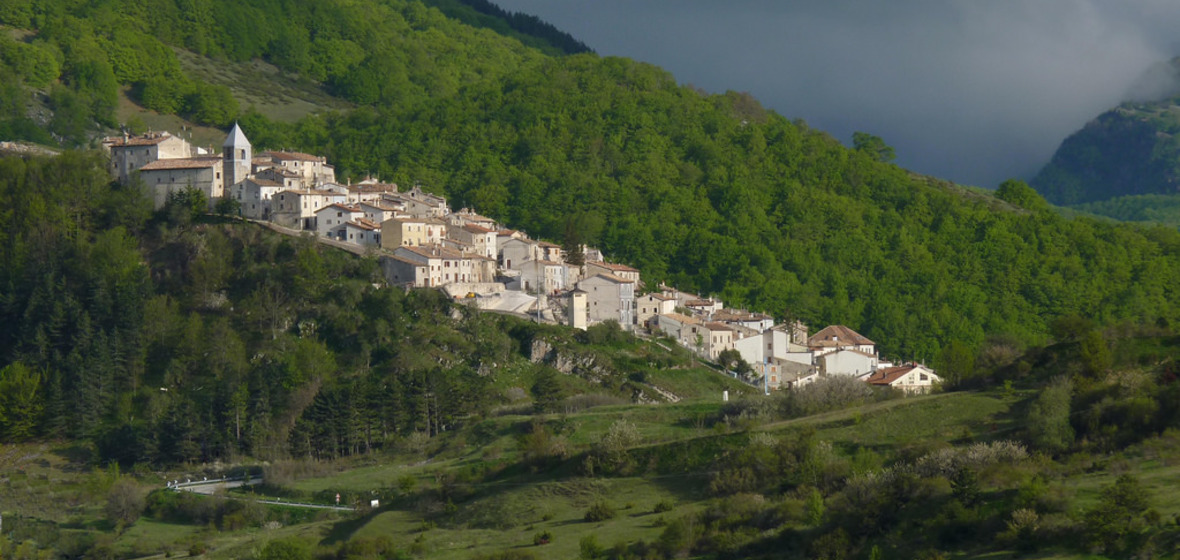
715,326
379,206
472,216
310,192
888,375
851,350
541,262
293,156
739,315
431,221
263,182
363,224
375,188
548,244
405,260
280,171
837,335
698,303
150,139
507,232
612,278
681,318
476,229
338,206
181,163
613,266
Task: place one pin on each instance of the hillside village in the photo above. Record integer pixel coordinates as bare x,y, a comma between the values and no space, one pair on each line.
421,243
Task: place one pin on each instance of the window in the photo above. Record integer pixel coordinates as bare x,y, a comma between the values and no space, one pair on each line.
923,377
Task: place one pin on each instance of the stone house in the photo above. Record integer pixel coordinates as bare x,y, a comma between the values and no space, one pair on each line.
330,218
514,251
312,171
412,232
444,266
297,208
254,196
541,276
130,153
834,337
482,240
167,176
610,298
361,232
620,270
421,204
649,305
376,211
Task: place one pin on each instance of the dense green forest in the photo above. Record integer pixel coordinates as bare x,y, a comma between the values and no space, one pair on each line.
708,192
1159,209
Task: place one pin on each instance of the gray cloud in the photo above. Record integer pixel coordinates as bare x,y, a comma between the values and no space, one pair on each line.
971,90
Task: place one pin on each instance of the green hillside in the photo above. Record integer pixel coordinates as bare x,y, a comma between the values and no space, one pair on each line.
144,346
709,193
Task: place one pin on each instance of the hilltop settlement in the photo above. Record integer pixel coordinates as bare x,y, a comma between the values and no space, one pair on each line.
421,243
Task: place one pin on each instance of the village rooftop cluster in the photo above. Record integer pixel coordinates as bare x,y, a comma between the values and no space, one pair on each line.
421,243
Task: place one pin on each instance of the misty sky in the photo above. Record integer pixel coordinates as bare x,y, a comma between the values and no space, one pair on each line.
971,90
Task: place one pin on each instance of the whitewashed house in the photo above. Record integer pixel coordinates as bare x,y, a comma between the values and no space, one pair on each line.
331,218
913,379
610,298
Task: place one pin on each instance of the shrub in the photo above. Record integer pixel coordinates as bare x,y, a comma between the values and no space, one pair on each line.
588,548
125,502
544,537
662,506
600,511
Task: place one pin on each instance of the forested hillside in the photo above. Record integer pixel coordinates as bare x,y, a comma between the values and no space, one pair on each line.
170,338
1127,151
709,192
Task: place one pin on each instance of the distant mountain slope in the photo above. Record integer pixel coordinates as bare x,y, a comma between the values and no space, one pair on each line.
1130,150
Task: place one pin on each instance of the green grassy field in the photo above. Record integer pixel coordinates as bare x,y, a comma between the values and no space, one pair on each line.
465,493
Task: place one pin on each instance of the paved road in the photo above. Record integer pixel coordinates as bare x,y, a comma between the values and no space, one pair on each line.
210,487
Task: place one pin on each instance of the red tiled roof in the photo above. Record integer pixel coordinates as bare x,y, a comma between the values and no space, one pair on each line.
293,156
145,140
681,318
339,206
181,163
363,224
888,375
613,266
612,278
838,335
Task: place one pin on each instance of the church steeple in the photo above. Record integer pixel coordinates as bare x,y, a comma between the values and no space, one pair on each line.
236,156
